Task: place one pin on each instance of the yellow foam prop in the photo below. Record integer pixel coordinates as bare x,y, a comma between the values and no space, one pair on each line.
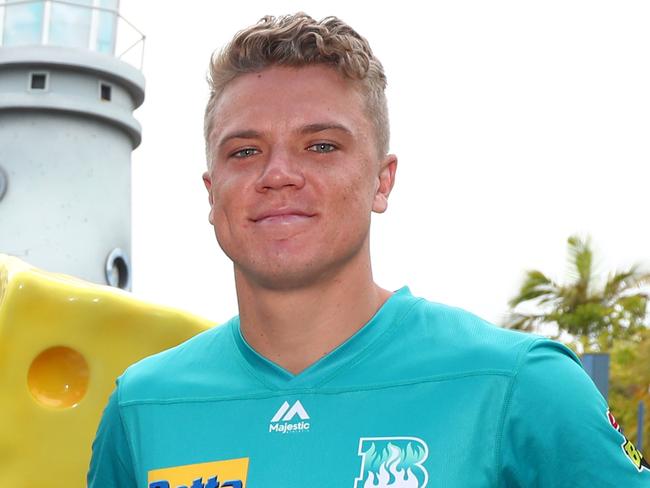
63,341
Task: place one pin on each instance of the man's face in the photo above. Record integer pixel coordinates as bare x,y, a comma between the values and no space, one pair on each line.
295,175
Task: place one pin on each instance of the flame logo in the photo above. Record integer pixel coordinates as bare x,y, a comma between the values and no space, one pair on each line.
392,462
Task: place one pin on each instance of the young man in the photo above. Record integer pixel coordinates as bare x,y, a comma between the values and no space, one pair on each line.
325,379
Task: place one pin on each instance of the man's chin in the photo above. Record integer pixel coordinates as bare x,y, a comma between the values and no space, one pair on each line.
296,264
289,277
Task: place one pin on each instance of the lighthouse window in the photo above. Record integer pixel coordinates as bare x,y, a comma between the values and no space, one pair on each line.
106,26
23,23
70,23
105,92
38,81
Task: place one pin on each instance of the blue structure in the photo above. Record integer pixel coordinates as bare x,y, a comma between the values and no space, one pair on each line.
597,366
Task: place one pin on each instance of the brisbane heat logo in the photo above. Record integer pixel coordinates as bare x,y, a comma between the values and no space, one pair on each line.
394,462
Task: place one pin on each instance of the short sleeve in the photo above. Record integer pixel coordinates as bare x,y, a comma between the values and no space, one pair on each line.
557,430
111,465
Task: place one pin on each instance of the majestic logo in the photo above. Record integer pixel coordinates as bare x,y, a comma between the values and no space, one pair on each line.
394,462
632,453
218,474
282,420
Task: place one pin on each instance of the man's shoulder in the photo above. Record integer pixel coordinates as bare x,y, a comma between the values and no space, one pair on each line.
450,340
203,365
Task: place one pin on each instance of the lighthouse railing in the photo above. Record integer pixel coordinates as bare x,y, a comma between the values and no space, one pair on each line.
94,25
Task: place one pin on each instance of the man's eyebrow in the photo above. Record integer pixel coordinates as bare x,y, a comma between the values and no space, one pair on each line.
318,127
305,129
240,134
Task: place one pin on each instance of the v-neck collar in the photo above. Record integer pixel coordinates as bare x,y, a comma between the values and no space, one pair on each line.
277,378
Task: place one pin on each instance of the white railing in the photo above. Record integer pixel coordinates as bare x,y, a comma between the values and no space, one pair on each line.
95,25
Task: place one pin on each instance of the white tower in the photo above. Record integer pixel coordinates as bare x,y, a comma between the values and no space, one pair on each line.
66,135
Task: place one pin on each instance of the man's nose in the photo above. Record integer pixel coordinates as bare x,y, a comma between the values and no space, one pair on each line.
282,169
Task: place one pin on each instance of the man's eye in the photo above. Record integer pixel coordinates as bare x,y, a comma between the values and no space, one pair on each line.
322,147
245,153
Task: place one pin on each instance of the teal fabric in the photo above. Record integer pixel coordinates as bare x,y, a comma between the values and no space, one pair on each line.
423,395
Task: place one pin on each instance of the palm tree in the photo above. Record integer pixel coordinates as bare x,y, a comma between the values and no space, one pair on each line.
592,312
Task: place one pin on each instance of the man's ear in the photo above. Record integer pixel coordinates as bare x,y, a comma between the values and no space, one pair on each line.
207,181
386,180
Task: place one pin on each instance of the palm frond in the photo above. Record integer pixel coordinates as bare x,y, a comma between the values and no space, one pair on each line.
536,285
581,260
624,280
525,322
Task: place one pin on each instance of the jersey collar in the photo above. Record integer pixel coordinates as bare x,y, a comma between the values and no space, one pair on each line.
277,378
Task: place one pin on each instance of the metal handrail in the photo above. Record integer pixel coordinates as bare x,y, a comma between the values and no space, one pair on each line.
88,7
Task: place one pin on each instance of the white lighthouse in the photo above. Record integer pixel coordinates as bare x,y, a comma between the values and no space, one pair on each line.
67,131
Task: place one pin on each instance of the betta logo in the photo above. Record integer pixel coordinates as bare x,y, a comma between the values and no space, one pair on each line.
394,462
230,473
198,483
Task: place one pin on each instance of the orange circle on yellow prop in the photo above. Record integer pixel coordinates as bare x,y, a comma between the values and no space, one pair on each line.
58,377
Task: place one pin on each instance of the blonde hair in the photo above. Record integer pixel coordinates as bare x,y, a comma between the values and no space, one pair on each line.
295,41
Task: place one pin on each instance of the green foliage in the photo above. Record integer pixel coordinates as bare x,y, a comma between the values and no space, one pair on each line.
595,314
630,378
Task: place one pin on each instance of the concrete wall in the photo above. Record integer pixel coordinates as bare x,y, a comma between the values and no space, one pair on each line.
68,198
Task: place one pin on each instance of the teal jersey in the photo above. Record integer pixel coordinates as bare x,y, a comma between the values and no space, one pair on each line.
424,395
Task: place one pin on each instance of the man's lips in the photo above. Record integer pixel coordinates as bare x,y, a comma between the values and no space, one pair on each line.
282,216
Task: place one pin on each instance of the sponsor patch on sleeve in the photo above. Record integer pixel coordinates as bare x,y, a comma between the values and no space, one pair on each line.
231,473
631,452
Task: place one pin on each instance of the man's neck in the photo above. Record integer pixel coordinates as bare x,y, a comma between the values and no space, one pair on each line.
295,328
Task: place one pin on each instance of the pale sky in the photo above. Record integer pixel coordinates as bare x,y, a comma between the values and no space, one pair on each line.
516,124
